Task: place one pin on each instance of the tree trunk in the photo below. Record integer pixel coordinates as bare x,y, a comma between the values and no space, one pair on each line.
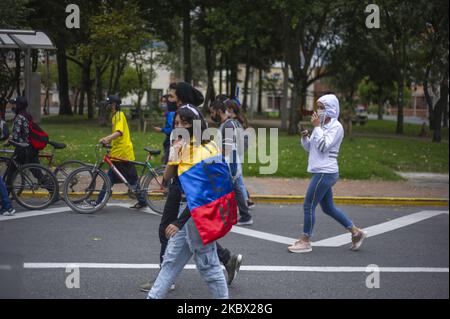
445,118
380,104
81,100
260,79
293,115
246,80
233,78
400,102
428,98
439,109
210,66
187,41
63,81
284,101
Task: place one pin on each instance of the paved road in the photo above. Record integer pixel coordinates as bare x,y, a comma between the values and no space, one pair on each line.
416,250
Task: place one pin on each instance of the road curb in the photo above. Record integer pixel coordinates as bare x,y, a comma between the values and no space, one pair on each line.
353,200
342,200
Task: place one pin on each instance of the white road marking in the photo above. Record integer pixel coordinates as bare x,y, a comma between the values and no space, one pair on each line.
65,209
381,228
262,235
147,210
344,239
35,213
244,268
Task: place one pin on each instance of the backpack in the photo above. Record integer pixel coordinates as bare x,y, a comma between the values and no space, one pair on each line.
37,137
4,130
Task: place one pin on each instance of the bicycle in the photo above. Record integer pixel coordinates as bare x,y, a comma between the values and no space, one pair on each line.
33,186
62,170
85,182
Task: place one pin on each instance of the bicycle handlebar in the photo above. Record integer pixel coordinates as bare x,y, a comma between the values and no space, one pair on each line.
16,144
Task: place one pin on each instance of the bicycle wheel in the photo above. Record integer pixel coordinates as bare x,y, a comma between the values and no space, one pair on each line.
82,190
63,170
155,193
34,186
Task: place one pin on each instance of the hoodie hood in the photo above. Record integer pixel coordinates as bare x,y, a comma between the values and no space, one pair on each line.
331,103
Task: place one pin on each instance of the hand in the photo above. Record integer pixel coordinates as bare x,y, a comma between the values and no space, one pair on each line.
171,230
303,131
315,119
105,140
157,129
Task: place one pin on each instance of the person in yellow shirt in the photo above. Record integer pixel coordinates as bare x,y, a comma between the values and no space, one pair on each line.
122,148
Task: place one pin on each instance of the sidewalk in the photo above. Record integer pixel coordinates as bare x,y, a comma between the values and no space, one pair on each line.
351,188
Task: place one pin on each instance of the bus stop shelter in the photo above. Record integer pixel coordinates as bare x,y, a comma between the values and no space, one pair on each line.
26,41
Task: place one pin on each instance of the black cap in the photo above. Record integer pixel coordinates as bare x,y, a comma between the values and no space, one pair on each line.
113,99
20,100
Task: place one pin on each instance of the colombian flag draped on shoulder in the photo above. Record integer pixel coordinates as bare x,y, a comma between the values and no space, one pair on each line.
206,180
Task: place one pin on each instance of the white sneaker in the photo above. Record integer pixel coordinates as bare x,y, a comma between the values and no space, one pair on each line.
358,239
9,212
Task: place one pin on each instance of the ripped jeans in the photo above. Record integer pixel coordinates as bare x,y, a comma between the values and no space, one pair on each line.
180,248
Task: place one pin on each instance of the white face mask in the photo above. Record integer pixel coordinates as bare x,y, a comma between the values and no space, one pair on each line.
228,114
322,116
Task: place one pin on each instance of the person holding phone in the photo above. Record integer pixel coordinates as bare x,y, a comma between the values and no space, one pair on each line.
323,147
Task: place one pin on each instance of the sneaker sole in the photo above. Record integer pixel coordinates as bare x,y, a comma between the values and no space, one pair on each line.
244,224
295,251
358,245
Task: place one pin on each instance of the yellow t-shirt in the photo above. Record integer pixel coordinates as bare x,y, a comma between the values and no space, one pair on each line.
121,147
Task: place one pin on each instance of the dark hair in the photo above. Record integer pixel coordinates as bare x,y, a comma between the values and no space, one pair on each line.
187,94
188,115
165,96
218,103
173,86
233,104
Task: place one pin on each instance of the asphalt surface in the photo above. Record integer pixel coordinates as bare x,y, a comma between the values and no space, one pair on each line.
119,235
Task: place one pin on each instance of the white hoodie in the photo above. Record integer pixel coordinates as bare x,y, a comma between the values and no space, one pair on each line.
324,143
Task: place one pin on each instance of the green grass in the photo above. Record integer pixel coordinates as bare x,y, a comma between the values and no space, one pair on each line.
360,157
389,127
364,158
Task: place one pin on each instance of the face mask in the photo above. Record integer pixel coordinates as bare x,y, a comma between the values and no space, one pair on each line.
228,114
322,115
14,109
216,118
164,106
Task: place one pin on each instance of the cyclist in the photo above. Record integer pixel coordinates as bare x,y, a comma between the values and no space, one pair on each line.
121,147
20,134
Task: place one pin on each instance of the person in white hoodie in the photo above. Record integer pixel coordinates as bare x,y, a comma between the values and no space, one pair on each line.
323,147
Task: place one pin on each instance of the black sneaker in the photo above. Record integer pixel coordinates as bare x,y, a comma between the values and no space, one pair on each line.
232,267
245,221
138,205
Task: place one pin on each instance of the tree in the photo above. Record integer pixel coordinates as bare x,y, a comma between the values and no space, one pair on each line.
309,41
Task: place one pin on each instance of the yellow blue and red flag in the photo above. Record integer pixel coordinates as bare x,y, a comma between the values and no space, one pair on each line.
207,183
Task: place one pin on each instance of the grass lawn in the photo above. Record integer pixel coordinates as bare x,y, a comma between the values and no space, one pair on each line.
389,127
360,157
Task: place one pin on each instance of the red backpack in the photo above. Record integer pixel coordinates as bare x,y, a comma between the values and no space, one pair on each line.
37,136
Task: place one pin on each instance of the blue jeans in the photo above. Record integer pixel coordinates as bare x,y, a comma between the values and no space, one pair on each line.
6,202
180,248
320,192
